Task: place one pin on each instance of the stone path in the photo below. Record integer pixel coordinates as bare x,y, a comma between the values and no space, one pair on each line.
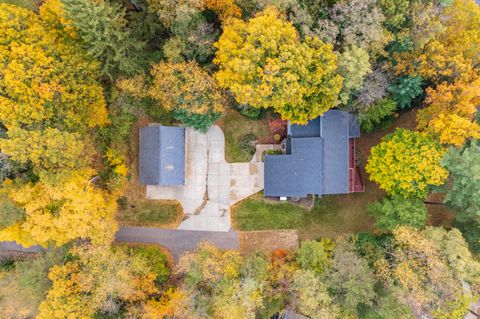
211,184
175,240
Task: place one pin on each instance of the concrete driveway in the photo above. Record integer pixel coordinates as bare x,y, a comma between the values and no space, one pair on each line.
211,184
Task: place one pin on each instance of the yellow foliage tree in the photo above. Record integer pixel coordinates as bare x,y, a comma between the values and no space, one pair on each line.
407,163
48,150
96,279
450,112
224,8
450,51
58,212
45,77
264,64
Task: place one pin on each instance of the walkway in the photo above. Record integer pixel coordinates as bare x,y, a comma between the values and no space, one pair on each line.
211,184
177,241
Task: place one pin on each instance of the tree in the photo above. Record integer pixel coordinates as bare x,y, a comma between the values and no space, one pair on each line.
431,268
359,23
450,112
264,64
48,150
374,114
395,12
406,163
58,212
217,284
375,88
46,78
315,255
183,88
464,188
98,279
395,211
103,29
350,278
405,90
312,296
353,66
444,47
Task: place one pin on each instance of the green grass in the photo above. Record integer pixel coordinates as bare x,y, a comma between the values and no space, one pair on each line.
234,126
151,213
332,216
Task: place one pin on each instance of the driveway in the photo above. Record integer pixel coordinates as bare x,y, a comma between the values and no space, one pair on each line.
211,184
177,241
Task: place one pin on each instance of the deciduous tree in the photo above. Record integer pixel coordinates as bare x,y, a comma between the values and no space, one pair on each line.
407,163
464,188
264,64
353,66
450,112
98,279
395,211
46,78
58,212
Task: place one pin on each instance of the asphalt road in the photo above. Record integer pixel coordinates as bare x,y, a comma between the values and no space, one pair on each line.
177,241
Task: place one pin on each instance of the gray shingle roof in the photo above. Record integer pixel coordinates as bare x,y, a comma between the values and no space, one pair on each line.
318,162
162,155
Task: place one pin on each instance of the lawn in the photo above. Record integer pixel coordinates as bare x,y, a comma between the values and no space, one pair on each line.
153,213
235,126
331,216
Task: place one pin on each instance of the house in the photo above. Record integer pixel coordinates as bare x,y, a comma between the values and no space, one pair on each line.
319,159
162,155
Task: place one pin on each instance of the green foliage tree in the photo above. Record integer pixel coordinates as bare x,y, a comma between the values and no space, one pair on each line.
102,27
350,278
373,115
407,163
395,211
406,89
315,255
395,12
464,188
312,296
353,66
264,64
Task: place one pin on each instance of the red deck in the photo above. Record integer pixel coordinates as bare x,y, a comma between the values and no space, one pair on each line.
355,178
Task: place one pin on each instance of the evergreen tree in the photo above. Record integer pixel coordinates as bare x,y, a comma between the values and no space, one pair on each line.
103,29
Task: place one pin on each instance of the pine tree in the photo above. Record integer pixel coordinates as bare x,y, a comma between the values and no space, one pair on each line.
103,29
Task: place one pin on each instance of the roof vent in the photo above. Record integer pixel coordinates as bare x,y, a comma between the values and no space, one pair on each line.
169,167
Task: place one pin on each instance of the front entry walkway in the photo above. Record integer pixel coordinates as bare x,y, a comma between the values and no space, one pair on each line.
211,184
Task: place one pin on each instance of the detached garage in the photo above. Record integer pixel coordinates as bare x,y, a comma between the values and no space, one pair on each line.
162,155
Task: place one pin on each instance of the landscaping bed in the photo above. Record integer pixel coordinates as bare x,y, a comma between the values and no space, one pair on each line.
241,134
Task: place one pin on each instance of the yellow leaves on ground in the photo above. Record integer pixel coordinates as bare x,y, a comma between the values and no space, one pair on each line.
264,64
450,112
57,213
407,163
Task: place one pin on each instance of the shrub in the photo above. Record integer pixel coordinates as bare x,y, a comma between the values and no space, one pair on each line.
252,112
247,143
373,115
